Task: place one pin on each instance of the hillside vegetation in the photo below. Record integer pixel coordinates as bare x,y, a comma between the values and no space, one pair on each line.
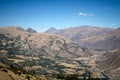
26,54
43,54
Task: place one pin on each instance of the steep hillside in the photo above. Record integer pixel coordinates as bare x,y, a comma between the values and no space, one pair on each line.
43,54
105,41
12,73
43,44
79,34
110,64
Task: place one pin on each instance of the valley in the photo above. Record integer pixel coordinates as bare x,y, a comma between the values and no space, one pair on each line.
44,56
59,39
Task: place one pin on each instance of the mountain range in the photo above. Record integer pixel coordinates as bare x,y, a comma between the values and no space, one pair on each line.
42,54
35,55
90,36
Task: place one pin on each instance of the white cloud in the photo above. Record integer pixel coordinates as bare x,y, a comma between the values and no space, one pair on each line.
85,14
82,14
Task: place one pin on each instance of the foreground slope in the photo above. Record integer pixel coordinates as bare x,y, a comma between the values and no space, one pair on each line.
8,73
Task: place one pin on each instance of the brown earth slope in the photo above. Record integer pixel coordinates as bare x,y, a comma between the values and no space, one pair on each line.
105,41
7,73
87,36
40,53
110,64
43,44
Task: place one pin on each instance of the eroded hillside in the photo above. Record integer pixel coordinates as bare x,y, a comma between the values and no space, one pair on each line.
43,54
110,64
91,37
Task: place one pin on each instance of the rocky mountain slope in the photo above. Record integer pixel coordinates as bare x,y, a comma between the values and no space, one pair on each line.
100,39
105,41
90,37
43,54
43,44
12,73
110,64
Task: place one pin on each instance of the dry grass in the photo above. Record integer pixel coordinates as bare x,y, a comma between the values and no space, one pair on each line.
69,65
36,67
70,71
9,75
20,56
36,58
16,60
81,58
2,65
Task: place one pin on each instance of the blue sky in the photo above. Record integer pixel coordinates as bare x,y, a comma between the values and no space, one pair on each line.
43,14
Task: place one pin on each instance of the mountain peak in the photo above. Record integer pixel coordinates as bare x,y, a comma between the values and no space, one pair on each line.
31,30
51,30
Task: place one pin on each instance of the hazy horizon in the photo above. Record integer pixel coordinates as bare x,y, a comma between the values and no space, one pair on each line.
43,14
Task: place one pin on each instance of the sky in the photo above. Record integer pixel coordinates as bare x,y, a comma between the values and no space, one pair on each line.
43,14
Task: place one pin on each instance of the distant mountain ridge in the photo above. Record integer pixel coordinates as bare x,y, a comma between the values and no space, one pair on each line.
31,30
51,30
105,41
82,34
